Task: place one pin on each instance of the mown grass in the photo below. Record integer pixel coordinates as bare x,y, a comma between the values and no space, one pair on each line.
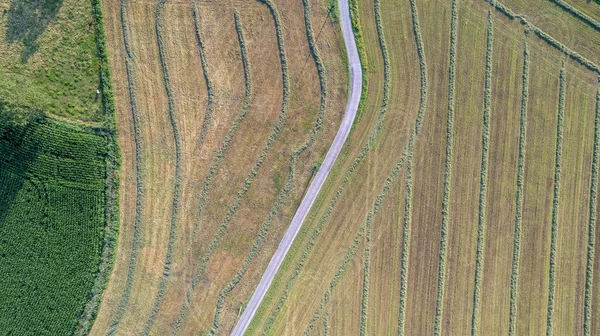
205,73
514,276
439,307
162,287
589,270
282,194
556,199
578,14
485,139
222,229
407,221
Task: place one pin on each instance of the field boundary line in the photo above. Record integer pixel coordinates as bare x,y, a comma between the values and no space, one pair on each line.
290,183
439,307
485,139
139,172
249,179
589,270
514,276
555,199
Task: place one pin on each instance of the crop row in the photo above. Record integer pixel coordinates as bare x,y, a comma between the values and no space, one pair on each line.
589,270
544,36
372,138
251,176
162,287
485,139
514,276
578,14
290,182
139,172
447,174
204,63
555,199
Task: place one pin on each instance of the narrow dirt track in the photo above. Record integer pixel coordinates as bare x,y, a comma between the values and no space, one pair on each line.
320,177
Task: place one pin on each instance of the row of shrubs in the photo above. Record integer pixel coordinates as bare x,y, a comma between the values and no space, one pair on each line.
283,195
577,13
589,270
139,172
514,277
162,287
209,86
406,227
251,176
447,174
555,199
485,139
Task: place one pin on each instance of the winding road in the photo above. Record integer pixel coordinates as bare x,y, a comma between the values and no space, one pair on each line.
317,183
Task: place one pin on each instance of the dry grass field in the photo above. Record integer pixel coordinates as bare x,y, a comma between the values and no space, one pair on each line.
224,109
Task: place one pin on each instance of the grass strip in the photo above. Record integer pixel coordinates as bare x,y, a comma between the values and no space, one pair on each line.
439,306
113,166
589,270
290,182
578,14
205,72
364,60
514,276
485,139
407,221
556,198
139,172
251,176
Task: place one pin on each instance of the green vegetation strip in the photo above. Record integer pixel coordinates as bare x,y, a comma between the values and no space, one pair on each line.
545,37
578,14
555,199
139,173
362,54
406,228
290,182
209,87
514,276
589,270
439,305
112,177
485,139
251,176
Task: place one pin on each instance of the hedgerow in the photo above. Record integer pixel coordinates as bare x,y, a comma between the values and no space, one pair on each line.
139,173
162,287
439,306
290,182
251,176
485,139
406,227
112,177
514,276
555,199
589,270
204,63
578,14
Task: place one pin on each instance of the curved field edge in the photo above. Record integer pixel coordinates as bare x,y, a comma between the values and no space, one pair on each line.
113,166
247,183
290,182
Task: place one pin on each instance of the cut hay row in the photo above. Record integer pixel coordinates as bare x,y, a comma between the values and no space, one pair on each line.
437,327
290,182
514,276
209,87
555,199
362,54
545,37
589,271
326,324
485,139
139,173
578,14
111,214
406,228
162,287
251,176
